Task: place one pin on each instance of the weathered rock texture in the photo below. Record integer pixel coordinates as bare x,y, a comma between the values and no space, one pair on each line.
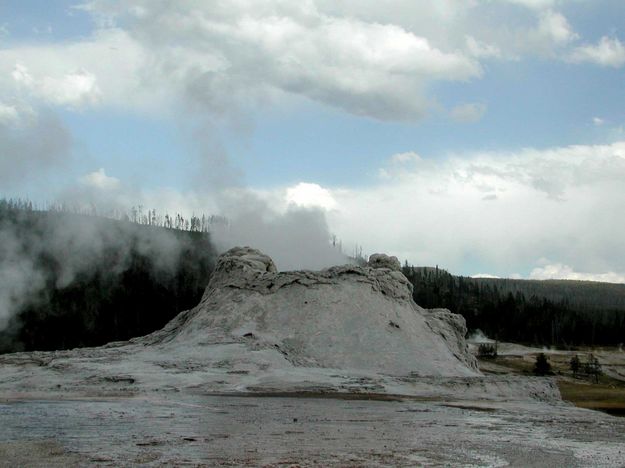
345,317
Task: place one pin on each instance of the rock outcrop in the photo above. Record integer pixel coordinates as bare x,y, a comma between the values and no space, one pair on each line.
344,329
384,261
344,317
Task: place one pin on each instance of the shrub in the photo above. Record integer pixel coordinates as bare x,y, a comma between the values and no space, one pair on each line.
542,366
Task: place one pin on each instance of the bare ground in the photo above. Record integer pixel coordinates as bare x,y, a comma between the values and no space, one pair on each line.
291,431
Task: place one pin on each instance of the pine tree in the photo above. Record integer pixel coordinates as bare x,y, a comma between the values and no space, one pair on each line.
542,366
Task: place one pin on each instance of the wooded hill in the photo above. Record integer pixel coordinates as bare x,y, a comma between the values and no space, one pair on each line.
70,280
551,312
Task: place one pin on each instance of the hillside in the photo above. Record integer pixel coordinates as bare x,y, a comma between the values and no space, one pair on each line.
70,280
590,295
553,312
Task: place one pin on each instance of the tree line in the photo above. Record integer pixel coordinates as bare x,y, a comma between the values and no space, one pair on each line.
137,214
558,313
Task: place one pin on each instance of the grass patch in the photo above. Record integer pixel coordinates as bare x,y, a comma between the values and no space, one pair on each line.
607,397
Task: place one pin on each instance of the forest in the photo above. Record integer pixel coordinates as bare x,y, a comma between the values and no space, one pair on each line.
560,313
72,278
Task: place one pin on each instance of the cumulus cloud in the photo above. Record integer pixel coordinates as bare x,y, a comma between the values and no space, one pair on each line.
309,195
365,68
73,89
608,52
500,209
364,57
555,27
370,58
109,195
106,69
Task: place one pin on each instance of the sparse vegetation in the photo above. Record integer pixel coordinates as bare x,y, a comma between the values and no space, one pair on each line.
593,368
596,391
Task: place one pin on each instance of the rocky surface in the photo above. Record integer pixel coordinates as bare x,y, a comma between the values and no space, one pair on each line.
344,329
194,430
346,317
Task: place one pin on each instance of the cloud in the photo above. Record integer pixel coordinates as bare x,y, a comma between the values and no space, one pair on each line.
107,69
9,115
560,271
468,113
30,144
403,158
73,89
505,210
482,50
109,195
598,121
308,195
99,180
399,163
535,4
365,68
221,60
608,52
552,203
555,27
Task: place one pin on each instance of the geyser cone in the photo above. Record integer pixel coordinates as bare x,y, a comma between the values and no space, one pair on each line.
345,317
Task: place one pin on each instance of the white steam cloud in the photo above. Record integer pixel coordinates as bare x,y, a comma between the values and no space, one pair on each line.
297,238
39,250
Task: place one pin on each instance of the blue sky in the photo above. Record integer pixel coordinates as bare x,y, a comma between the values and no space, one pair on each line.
444,132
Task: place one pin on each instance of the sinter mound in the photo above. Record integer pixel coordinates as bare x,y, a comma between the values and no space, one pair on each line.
347,329
345,317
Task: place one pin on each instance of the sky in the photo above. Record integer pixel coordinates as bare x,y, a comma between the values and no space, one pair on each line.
483,136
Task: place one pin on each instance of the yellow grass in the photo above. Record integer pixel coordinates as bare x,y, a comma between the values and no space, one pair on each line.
607,395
